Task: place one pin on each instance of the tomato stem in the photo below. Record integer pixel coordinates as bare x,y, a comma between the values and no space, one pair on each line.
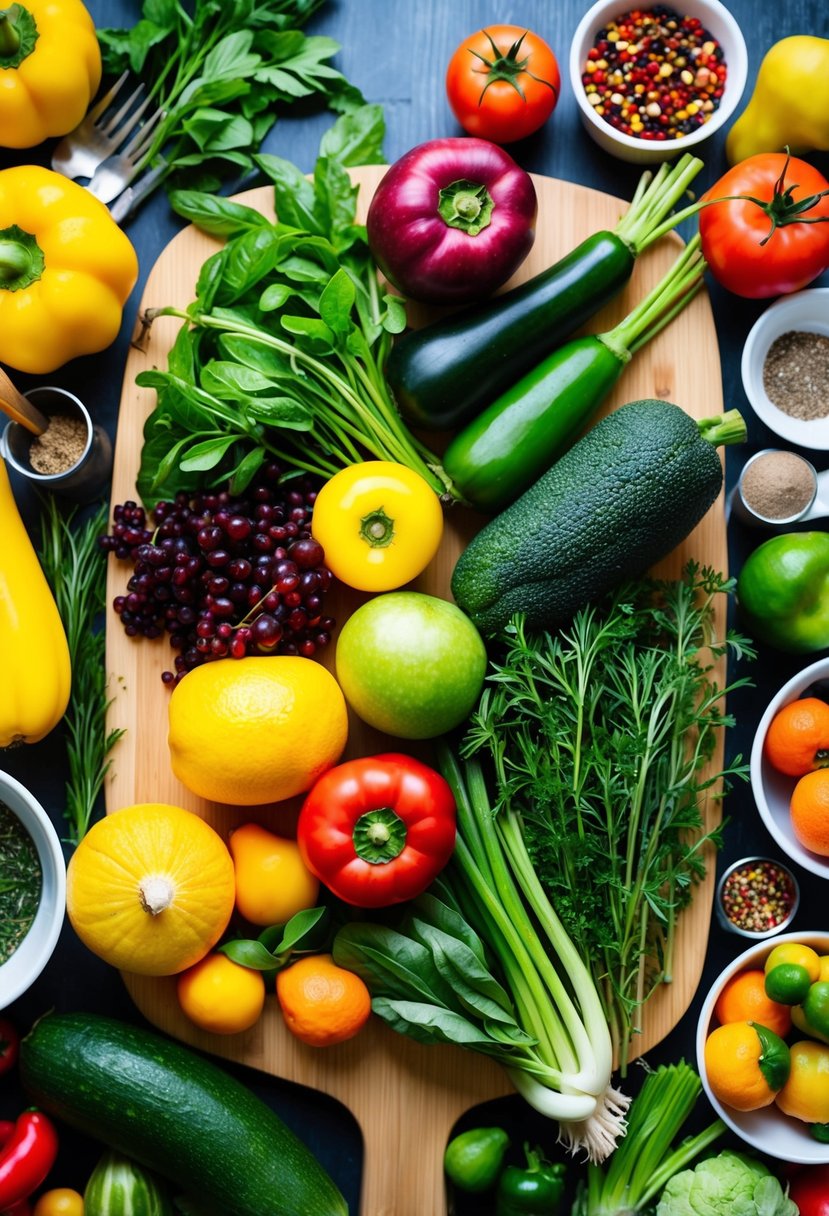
508,67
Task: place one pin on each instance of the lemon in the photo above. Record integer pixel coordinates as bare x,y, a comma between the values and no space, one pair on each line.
255,730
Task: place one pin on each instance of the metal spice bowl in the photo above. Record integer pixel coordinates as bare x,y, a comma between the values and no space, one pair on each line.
757,935
87,478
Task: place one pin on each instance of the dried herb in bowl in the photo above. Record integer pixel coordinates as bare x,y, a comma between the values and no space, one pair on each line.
21,881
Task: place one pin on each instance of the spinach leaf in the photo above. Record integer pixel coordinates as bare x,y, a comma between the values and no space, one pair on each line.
356,138
215,215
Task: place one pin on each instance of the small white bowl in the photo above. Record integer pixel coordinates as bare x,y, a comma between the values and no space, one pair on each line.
772,790
806,311
768,1130
21,970
716,18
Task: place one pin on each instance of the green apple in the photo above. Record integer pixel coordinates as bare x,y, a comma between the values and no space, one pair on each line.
411,665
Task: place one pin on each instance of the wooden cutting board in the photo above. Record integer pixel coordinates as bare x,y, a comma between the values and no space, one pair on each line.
402,1093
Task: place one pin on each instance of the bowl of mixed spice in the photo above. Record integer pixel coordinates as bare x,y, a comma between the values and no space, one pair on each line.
654,81
785,368
32,889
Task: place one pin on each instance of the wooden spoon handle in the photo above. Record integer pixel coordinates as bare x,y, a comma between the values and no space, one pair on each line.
19,408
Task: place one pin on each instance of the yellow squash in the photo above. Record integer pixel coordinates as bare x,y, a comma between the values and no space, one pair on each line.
150,889
34,658
50,69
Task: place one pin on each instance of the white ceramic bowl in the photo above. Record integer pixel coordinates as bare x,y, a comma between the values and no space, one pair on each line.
804,310
772,790
718,21
31,956
768,1130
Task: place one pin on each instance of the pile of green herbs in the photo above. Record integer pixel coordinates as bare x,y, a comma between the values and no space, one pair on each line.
282,351
220,70
75,568
599,739
21,880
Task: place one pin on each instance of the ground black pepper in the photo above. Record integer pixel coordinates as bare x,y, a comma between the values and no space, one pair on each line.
21,880
796,374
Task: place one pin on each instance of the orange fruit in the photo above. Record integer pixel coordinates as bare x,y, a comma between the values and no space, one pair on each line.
797,740
809,810
221,996
746,1064
254,730
743,999
321,1002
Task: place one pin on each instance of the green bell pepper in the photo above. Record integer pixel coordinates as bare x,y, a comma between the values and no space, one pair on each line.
783,592
537,1190
473,1159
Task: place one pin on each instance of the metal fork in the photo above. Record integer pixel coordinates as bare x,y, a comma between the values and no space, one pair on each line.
100,133
116,172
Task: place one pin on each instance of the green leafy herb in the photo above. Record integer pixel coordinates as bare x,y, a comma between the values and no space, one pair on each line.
284,347
219,71
308,932
598,737
21,880
75,567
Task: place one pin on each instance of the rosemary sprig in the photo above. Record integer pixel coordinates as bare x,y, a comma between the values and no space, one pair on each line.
75,567
599,737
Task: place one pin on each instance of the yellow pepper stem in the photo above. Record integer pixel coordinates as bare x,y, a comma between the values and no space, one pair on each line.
21,259
18,35
9,37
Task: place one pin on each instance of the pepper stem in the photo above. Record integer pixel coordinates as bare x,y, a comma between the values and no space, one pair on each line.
723,429
21,259
379,836
377,529
18,35
466,205
9,37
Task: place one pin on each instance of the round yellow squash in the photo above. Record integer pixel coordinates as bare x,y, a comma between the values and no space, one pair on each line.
150,889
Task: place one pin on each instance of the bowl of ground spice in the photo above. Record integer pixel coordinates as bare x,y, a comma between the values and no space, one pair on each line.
72,457
785,368
778,489
32,889
656,80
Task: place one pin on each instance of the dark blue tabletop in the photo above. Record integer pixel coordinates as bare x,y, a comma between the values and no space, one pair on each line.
397,55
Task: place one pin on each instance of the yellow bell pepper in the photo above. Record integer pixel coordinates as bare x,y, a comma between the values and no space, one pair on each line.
790,103
66,269
50,69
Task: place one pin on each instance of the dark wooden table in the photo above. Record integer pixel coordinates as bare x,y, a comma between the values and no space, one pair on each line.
397,54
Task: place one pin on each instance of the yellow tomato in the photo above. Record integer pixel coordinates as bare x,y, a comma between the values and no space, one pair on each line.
272,881
60,1202
806,1093
824,967
379,523
220,996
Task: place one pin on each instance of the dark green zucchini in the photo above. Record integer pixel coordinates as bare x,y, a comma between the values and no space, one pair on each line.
444,374
619,500
169,1109
505,449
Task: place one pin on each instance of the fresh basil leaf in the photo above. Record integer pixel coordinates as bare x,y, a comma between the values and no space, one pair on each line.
294,194
167,463
231,57
161,12
246,470
229,381
181,360
336,303
248,259
203,92
183,401
213,131
209,280
285,412
257,355
336,201
206,455
249,953
356,138
274,297
130,47
309,327
431,1024
216,215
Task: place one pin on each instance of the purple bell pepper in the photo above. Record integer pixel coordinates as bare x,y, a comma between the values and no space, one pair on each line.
452,220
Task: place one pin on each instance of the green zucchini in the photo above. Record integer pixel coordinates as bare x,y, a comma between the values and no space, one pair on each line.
444,374
505,449
164,1106
619,500
121,1187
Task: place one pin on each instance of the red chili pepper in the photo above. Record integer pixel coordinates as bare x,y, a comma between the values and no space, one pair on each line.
7,1126
9,1043
27,1157
377,831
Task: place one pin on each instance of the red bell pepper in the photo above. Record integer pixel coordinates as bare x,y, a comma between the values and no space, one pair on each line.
9,1044
810,1190
26,1158
377,831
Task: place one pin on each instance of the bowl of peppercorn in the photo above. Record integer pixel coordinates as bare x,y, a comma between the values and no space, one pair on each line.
32,889
785,368
655,81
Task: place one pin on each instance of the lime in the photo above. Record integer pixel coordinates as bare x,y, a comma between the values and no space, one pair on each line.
473,1159
787,983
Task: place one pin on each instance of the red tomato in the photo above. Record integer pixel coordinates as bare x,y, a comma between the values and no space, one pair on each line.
767,249
810,1191
503,83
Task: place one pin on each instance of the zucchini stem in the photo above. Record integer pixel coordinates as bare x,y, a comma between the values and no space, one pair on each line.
648,217
724,429
660,306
